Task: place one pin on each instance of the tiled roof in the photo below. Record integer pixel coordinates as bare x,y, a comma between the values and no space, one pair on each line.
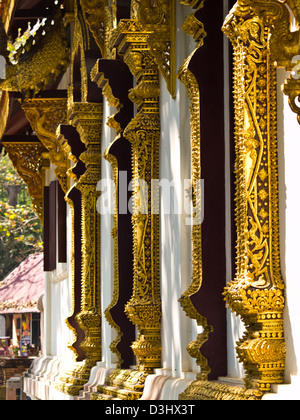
21,289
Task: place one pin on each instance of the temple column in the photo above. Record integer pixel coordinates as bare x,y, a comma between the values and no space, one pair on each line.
257,292
87,119
144,308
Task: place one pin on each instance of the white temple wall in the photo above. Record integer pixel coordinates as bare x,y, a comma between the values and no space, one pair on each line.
177,330
58,297
235,326
289,194
107,243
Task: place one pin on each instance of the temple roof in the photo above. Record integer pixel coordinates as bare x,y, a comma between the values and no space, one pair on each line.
21,289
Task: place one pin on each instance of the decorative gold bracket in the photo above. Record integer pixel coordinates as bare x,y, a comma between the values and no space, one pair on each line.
157,17
27,158
97,15
45,115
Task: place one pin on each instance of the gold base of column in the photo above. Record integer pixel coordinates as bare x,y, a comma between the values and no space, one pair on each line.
76,378
217,391
123,385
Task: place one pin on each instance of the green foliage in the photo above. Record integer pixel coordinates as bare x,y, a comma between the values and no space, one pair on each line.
20,228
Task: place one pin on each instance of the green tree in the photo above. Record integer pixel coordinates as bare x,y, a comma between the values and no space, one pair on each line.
20,228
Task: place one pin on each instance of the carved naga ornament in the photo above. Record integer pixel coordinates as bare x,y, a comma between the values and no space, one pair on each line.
257,292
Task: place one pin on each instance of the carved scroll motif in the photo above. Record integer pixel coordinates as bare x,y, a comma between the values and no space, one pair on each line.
257,292
36,70
100,18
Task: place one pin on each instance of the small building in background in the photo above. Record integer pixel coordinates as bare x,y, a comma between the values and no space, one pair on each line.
20,308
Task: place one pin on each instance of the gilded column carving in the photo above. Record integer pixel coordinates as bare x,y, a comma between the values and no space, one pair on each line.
112,101
144,308
27,158
257,292
45,115
87,119
195,28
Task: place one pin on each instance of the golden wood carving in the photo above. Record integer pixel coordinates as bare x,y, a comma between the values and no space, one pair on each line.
100,18
45,115
211,391
27,158
195,28
38,68
87,119
123,385
69,197
257,292
113,346
157,17
144,309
